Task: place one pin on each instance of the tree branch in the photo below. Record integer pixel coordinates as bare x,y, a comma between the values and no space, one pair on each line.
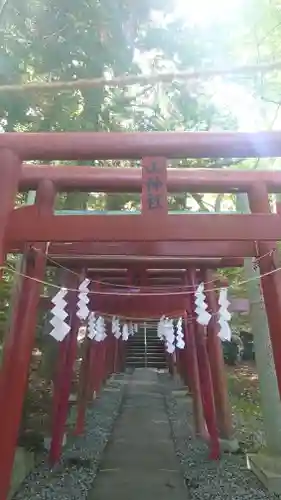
199,200
3,6
225,163
125,80
218,202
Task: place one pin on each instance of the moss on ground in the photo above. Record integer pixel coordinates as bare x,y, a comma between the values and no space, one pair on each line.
245,400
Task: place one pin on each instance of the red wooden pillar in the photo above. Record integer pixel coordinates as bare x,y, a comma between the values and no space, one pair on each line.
18,348
271,284
186,369
87,372
66,359
122,355
104,365
180,357
100,365
116,367
182,362
113,347
10,168
192,364
92,368
92,373
103,361
83,389
216,360
96,366
207,390
182,365
178,363
111,356
108,351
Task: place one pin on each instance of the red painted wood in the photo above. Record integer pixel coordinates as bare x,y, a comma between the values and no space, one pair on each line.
152,283
25,224
154,198
128,180
149,251
14,373
207,389
10,168
65,372
107,357
216,360
18,348
109,350
170,268
92,370
193,372
207,393
116,356
112,352
134,305
104,145
122,272
83,390
114,304
98,372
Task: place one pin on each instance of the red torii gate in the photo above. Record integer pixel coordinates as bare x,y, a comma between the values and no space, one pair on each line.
154,232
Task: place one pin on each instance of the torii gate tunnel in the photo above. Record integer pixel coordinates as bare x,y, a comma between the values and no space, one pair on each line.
129,248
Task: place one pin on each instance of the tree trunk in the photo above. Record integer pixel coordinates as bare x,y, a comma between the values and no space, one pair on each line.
270,400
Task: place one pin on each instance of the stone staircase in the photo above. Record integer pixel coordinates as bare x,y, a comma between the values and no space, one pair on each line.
145,350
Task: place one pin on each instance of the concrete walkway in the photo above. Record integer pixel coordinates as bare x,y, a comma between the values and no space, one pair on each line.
140,462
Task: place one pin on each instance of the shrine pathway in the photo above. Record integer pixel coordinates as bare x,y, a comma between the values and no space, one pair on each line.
140,462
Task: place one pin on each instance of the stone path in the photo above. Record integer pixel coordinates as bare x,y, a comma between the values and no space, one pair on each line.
140,462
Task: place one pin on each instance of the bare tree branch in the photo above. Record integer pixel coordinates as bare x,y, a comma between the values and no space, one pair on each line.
199,200
218,202
125,80
3,6
225,163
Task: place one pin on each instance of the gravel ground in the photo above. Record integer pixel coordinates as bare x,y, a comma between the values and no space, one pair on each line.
72,478
205,479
